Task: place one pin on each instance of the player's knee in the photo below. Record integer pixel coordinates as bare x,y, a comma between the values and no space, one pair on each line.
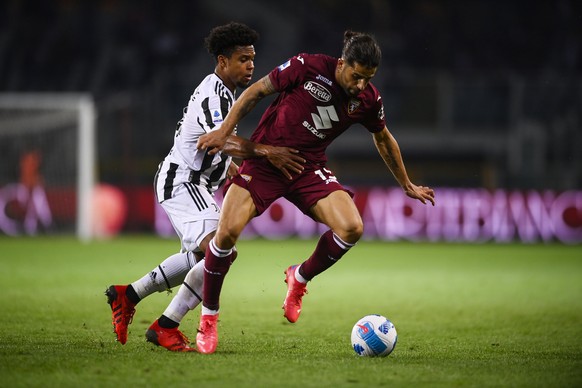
352,231
357,230
227,237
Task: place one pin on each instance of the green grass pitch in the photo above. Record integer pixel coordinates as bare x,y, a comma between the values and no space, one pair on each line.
482,315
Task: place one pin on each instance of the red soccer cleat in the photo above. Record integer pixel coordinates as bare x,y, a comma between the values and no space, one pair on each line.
295,292
122,310
171,339
207,337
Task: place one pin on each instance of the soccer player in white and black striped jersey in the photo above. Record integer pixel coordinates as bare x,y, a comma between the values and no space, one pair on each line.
185,184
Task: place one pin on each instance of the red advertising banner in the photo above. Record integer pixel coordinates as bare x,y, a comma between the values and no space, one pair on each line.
468,215
460,215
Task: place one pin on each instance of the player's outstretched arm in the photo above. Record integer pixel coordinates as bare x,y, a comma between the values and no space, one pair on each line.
390,151
214,141
286,159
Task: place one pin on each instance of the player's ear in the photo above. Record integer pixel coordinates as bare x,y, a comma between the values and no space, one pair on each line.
222,61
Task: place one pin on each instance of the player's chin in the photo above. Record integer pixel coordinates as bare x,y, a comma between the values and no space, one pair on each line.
243,83
353,92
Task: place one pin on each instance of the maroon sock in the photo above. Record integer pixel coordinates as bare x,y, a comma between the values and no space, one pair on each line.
327,252
215,269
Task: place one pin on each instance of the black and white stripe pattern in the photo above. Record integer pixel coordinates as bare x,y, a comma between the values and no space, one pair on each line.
207,108
197,198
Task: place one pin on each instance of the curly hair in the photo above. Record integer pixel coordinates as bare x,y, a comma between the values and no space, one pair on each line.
361,48
224,39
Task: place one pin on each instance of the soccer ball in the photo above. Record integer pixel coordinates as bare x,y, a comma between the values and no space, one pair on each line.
374,336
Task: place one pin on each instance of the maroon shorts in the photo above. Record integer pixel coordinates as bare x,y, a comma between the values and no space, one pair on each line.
266,184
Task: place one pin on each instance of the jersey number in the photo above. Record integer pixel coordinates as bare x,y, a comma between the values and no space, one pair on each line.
326,115
326,175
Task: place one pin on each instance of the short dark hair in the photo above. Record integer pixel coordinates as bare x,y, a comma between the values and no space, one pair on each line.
223,40
361,48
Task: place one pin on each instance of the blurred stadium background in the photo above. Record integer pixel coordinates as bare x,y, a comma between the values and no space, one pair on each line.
484,97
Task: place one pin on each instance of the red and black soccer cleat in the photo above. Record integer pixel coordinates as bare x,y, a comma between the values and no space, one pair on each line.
122,310
171,339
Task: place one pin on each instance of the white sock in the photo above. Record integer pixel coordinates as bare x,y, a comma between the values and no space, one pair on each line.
189,295
298,276
207,311
170,273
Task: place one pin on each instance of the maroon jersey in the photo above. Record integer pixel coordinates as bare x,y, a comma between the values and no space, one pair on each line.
312,109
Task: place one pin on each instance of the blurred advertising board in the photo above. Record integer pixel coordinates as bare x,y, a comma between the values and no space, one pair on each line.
460,215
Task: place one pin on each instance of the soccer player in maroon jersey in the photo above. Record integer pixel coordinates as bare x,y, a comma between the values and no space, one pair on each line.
319,98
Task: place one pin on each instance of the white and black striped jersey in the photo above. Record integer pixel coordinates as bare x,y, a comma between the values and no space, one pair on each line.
205,112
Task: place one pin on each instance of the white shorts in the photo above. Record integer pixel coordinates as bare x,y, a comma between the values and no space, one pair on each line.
193,213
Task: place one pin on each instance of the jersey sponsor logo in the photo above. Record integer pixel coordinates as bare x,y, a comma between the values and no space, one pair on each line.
246,177
322,78
284,65
318,91
353,105
311,129
325,117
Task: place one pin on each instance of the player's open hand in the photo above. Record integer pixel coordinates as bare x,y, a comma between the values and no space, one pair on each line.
422,193
212,141
286,159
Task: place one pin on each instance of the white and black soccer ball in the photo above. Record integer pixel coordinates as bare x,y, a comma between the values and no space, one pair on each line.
374,336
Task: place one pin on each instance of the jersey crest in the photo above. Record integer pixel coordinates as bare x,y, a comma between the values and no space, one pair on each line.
353,105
